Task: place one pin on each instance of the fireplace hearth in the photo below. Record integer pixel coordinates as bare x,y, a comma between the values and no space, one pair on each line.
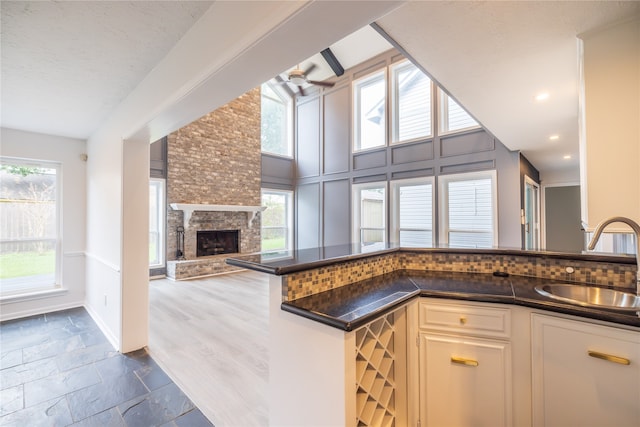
217,242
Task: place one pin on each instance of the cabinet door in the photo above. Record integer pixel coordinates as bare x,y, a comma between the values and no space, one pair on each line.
576,382
464,382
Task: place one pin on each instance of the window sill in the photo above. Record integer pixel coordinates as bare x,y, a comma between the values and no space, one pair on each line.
9,299
278,156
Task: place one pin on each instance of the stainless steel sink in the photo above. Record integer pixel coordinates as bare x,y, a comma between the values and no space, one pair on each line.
591,296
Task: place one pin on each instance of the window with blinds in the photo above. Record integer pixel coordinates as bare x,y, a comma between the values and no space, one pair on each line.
468,206
453,117
413,212
411,106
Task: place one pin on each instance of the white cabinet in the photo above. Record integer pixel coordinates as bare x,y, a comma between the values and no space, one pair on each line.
465,365
584,374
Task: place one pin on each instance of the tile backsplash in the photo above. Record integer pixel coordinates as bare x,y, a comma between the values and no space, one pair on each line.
309,282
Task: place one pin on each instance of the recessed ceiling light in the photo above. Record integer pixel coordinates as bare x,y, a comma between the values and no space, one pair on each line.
567,157
542,96
554,137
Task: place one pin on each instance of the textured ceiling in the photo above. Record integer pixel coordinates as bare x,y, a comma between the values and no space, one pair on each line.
67,65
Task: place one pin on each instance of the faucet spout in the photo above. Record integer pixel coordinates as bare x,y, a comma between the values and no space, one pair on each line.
636,230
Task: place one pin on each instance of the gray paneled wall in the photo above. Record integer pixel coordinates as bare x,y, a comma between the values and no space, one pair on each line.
308,203
326,167
337,134
308,139
335,223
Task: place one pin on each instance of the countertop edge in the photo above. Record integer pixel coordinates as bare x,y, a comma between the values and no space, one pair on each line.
294,267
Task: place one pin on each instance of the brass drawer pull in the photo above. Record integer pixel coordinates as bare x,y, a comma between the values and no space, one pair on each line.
463,320
463,361
609,358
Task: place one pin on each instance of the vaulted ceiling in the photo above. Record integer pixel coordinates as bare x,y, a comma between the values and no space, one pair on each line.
68,67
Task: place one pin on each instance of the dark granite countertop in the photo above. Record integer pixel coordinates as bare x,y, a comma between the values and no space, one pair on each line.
352,306
286,262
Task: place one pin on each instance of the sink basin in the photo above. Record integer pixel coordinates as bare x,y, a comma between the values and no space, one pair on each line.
591,296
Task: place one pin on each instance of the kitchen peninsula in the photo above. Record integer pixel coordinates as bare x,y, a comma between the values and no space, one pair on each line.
355,337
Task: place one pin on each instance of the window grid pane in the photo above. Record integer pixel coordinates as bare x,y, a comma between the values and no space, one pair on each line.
156,223
454,117
415,215
470,213
413,109
29,227
276,227
372,220
370,102
275,122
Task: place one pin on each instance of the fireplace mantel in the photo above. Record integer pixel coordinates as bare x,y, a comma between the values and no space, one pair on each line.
190,208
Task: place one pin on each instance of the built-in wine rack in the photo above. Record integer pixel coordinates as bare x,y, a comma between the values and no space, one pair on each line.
375,373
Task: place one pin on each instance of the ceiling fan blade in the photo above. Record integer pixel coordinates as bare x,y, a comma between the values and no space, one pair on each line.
333,62
310,69
325,84
302,92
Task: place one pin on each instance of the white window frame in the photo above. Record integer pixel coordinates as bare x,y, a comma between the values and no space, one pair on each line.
443,201
289,220
356,211
285,98
374,76
58,277
443,114
162,214
395,206
395,101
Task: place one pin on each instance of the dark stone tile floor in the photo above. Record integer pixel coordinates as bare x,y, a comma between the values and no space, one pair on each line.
58,369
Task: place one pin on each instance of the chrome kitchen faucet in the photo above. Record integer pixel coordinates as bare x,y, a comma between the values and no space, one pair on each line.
636,229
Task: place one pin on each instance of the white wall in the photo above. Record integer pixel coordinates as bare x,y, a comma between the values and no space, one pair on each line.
104,225
66,151
610,113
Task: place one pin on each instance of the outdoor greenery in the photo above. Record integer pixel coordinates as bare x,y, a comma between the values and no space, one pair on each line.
276,243
21,264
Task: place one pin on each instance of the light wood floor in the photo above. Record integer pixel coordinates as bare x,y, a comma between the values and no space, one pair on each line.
211,337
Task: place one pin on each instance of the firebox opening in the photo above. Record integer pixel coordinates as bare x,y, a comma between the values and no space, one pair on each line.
216,242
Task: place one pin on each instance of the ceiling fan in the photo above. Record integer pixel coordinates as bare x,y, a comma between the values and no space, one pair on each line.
298,77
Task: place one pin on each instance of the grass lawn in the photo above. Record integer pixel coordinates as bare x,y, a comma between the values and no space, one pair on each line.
272,244
20,264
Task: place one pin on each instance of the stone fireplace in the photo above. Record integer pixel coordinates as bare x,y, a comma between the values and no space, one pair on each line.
213,176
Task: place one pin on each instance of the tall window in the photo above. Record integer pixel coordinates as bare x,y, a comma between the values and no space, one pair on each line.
277,220
157,210
469,210
411,106
452,116
369,215
30,226
276,121
413,212
369,100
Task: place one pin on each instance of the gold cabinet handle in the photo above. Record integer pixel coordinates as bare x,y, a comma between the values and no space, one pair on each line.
463,361
609,357
463,320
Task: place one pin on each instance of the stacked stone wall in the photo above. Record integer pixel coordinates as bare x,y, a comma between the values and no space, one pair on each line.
216,160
